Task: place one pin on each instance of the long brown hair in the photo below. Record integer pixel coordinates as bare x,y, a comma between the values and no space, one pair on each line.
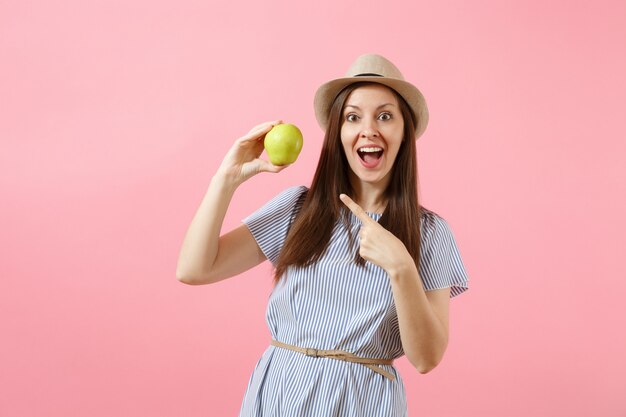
311,230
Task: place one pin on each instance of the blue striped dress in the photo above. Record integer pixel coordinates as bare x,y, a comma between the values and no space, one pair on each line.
335,304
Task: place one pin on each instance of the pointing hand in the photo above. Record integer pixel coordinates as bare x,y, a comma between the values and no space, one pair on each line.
377,244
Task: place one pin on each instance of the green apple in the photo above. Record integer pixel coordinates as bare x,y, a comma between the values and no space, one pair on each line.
283,144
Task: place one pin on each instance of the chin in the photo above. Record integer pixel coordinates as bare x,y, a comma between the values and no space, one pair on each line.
371,178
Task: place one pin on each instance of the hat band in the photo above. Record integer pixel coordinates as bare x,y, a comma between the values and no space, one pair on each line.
368,74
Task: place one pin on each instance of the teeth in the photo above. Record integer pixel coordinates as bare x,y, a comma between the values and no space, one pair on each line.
372,149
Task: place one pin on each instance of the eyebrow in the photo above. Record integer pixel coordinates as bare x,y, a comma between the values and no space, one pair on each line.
379,107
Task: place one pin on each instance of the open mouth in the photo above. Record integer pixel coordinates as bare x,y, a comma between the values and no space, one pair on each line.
370,155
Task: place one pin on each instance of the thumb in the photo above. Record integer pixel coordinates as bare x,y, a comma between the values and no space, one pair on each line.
266,166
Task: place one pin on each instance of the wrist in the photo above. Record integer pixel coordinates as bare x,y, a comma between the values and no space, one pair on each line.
225,182
402,269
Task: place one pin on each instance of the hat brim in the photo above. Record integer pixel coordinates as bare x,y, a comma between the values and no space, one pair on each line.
327,93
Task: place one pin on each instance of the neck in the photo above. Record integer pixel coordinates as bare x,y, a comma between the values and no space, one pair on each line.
369,196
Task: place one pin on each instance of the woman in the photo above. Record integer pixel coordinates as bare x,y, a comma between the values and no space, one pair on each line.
363,273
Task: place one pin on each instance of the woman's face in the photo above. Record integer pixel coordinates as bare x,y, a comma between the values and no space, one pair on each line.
371,133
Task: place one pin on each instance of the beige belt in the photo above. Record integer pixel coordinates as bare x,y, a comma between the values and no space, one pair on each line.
342,356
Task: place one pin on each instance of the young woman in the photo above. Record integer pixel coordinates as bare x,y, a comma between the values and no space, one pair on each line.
363,273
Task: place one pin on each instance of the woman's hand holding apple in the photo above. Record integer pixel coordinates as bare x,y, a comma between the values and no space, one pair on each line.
242,160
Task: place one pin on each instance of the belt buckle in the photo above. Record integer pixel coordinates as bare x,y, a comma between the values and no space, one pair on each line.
314,353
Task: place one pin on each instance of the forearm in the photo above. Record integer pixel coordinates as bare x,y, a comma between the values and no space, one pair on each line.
200,245
424,337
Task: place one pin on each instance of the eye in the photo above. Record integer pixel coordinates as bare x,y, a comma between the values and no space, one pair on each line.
385,116
352,117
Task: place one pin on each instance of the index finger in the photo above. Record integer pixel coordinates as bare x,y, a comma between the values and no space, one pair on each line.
259,131
355,208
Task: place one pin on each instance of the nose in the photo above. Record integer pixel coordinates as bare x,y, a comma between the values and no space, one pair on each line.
369,129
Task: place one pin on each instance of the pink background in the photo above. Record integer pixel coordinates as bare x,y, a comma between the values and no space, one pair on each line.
115,114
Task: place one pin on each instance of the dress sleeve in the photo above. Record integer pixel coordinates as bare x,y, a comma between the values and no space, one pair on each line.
269,224
441,265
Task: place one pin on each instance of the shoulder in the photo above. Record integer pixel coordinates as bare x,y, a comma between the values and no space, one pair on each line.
280,205
433,225
430,217
293,192
269,224
288,197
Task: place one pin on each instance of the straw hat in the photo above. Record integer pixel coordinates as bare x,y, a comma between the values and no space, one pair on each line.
377,69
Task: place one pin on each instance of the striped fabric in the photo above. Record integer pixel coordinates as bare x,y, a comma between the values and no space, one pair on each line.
335,304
